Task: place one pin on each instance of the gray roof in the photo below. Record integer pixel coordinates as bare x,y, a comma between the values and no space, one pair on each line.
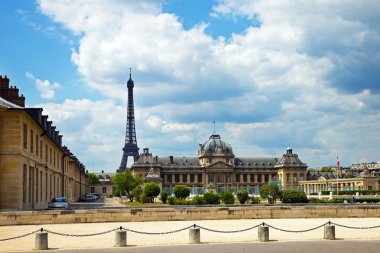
255,161
215,145
178,160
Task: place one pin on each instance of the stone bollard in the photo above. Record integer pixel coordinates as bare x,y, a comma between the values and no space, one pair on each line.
194,235
120,238
263,233
329,232
41,242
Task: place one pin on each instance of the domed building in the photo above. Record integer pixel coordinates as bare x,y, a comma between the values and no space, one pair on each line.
216,166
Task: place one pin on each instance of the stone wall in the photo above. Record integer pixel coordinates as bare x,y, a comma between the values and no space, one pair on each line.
187,213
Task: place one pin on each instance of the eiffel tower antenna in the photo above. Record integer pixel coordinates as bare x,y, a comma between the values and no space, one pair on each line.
130,145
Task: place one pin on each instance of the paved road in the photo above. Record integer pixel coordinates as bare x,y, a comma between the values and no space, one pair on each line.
337,246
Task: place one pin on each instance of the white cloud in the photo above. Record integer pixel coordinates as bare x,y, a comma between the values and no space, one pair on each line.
291,81
45,87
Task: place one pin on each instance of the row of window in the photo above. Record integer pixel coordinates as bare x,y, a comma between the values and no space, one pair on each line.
35,146
169,178
219,178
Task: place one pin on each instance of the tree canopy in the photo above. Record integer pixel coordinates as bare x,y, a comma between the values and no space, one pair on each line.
270,192
125,182
92,178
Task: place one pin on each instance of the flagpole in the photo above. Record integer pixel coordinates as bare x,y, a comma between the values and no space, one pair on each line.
337,175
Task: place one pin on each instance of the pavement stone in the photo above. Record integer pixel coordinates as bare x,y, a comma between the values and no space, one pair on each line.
135,239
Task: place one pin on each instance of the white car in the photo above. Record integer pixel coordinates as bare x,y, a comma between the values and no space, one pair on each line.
59,202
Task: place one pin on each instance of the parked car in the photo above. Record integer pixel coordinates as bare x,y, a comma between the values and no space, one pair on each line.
87,198
59,202
94,194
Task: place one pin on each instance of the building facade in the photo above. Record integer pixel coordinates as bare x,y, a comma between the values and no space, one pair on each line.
105,186
34,166
217,167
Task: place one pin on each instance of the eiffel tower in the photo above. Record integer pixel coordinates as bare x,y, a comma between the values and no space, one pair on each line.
130,146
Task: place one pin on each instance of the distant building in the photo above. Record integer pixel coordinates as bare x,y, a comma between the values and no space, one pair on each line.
34,166
105,186
217,167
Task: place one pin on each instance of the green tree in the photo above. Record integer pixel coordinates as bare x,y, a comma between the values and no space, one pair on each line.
92,178
270,192
242,196
136,193
125,182
181,191
151,190
227,197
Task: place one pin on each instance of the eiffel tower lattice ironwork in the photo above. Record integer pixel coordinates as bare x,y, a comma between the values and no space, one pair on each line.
130,146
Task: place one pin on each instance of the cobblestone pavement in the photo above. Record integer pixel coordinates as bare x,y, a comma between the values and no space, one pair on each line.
136,239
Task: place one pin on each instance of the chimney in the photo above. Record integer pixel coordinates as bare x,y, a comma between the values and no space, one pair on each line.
171,159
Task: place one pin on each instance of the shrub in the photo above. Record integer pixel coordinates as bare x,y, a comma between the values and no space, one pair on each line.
171,200
242,196
144,199
164,196
211,198
294,196
199,200
227,197
151,190
182,202
255,200
181,191
368,200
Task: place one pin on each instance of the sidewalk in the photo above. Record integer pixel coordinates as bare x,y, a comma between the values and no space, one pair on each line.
107,240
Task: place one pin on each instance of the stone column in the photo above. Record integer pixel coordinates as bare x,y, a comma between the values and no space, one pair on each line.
194,235
329,232
255,178
41,242
120,238
263,233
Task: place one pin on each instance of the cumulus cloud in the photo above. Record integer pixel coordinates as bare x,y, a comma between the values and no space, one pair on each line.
45,87
307,76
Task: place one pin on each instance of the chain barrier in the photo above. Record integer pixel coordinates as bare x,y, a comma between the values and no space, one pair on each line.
83,235
296,231
19,236
229,231
344,226
158,233
188,227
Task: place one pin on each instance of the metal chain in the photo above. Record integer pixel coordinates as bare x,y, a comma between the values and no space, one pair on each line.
158,233
296,231
20,236
85,235
344,226
230,231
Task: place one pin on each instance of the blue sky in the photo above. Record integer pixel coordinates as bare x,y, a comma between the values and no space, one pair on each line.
271,73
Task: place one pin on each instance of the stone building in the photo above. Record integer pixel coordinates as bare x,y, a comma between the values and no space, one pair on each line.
217,167
34,166
105,186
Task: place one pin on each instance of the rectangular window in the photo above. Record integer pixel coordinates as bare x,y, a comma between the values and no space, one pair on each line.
46,186
24,183
244,178
25,136
252,177
184,178
104,189
31,141
200,178
369,187
169,178
266,178
36,185
54,158
37,145
237,178
92,189
30,184
41,150
46,154
191,178
176,178
41,185
50,157
259,178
